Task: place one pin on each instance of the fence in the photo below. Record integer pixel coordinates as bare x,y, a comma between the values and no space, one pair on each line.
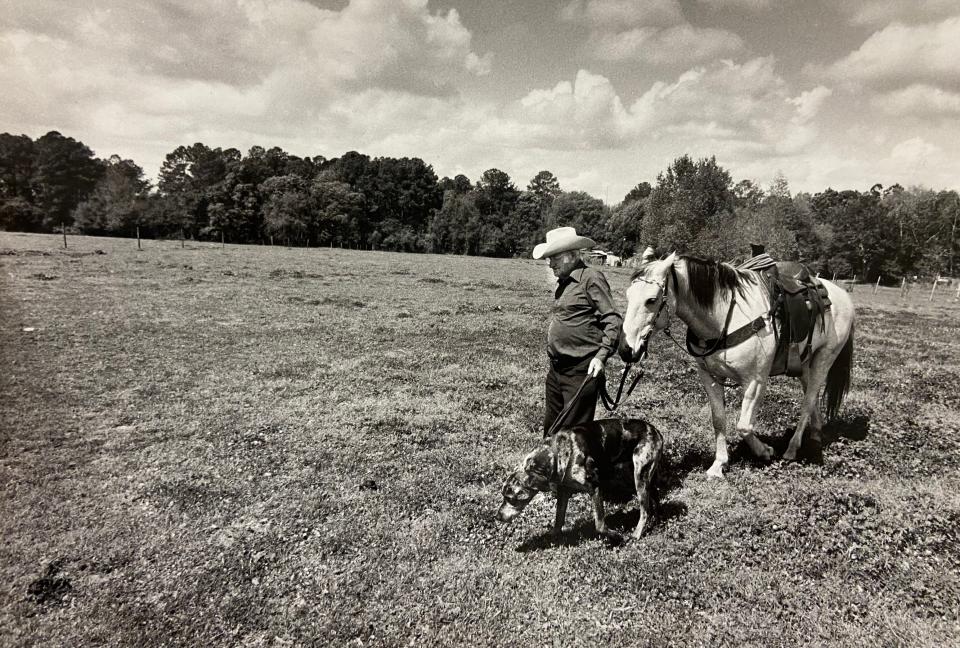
939,288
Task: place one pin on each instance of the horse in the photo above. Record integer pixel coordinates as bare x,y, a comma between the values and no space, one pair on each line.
712,298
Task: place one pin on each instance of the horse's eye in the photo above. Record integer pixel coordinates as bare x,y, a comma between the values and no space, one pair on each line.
651,301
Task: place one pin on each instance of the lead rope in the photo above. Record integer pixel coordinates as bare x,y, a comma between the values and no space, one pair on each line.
611,404
566,410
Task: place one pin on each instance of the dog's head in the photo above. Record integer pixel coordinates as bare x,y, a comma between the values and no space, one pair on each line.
532,477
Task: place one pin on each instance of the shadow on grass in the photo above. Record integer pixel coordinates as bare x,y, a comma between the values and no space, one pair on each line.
855,427
621,522
674,469
570,537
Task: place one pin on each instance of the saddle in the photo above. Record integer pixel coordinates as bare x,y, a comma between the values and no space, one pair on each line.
799,302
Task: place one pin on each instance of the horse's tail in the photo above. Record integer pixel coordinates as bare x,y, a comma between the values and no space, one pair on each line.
838,378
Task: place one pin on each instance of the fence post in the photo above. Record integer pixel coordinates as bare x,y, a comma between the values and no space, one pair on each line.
138,238
877,287
903,287
834,277
63,228
958,291
934,289
223,243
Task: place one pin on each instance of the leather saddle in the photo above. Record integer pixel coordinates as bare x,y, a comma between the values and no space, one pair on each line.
799,302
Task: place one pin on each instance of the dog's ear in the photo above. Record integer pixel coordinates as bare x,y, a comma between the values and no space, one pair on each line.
540,463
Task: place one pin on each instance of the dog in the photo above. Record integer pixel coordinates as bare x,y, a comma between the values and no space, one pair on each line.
611,459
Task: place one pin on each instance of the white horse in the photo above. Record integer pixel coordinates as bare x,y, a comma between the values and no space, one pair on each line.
714,299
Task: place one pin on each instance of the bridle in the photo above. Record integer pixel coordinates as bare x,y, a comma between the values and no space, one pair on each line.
664,303
613,403
666,331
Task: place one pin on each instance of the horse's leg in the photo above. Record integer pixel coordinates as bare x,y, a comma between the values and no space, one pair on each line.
816,416
718,414
752,395
816,377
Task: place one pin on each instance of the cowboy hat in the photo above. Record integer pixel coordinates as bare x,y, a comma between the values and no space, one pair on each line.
561,239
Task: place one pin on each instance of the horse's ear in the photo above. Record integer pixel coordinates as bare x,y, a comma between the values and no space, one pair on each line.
647,255
671,259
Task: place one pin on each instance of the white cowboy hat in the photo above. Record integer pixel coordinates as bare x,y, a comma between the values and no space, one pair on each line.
562,239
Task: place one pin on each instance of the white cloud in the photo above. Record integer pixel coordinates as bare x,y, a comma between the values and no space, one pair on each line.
900,55
883,12
809,102
388,43
140,79
738,4
735,109
679,45
651,31
618,14
919,100
914,152
725,93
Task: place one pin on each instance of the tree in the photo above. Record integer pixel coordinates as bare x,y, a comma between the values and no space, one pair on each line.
689,206
17,158
64,173
496,194
117,205
861,228
288,208
340,212
582,211
625,226
460,184
545,187
457,226
779,188
190,174
747,195
523,227
638,193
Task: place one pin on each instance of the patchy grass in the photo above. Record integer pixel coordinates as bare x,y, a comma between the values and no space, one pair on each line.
273,447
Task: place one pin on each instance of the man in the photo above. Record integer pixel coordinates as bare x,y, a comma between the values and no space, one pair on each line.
583,329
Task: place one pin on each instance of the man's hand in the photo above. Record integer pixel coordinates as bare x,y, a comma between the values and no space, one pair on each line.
595,368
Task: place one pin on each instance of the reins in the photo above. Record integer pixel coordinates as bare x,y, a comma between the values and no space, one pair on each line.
609,403
725,340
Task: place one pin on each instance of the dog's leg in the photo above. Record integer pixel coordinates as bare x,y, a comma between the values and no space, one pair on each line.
599,514
644,469
563,496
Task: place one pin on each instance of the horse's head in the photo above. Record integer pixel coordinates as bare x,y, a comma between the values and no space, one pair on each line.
649,302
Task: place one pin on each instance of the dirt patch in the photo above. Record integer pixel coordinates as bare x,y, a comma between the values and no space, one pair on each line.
50,589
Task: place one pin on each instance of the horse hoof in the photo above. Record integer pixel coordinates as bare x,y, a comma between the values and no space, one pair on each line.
790,455
766,454
715,472
613,538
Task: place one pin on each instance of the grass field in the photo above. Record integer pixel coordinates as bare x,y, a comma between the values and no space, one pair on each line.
275,447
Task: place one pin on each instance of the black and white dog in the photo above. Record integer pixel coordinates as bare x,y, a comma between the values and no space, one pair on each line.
609,459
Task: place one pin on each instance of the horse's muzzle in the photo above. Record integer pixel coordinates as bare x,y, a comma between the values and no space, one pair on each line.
627,353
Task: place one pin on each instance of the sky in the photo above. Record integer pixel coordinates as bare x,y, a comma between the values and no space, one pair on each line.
603,93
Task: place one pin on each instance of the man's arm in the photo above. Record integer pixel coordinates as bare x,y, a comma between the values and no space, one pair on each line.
598,290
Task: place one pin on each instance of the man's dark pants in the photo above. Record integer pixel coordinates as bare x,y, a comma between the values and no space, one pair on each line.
563,380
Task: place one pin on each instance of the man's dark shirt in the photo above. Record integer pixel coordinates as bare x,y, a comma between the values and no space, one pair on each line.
584,322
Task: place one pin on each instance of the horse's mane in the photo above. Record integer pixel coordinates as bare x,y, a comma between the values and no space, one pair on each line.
707,278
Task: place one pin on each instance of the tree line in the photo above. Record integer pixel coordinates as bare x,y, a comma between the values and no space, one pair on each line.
271,196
